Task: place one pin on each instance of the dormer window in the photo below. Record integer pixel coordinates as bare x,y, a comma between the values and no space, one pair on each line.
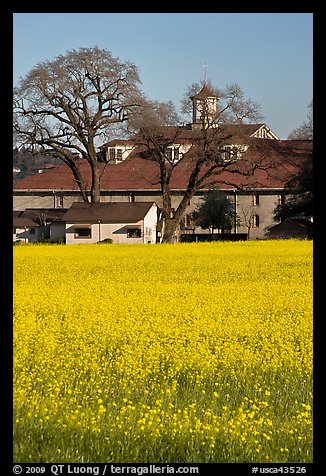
173,153
115,154
230,153
119,154
112,154
116,151
176,153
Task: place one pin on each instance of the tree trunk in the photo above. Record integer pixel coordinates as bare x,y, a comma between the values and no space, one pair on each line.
95,190
169,222
79,179
170,226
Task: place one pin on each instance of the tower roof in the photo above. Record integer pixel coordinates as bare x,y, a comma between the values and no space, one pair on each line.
205,92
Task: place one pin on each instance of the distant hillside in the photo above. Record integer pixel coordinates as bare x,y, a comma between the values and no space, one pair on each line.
28,164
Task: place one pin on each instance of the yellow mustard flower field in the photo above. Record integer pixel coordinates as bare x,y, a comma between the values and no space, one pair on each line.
196,352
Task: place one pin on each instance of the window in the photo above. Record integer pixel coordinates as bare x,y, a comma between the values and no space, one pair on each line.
83,232
169,154
112,154
119,154
230,153
32,231
281,199
256,199
176,153
255,221
133,233
59,200
173,153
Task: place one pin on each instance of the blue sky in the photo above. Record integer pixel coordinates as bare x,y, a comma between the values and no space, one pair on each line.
270,55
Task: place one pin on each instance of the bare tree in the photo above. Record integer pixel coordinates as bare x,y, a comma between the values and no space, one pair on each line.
231,107
200,151
300,188
246,217
306,130
63,107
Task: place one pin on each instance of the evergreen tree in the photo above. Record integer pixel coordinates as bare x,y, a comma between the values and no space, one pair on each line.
215,213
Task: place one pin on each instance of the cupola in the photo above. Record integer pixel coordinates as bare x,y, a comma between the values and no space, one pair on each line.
204,107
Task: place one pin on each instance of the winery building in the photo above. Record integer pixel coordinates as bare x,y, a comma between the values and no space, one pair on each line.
129,177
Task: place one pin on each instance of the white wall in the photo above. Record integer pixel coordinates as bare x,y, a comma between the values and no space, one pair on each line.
57,231
25,235
150,222
99,232
117,232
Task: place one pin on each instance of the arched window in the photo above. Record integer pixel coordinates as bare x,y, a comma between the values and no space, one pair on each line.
59,200
255,221
281,199
256,199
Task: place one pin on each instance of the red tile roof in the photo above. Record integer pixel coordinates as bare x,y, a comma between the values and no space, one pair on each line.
277,160
234,132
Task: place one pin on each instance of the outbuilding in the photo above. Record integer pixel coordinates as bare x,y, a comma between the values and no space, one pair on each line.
24,229
121,222
300,228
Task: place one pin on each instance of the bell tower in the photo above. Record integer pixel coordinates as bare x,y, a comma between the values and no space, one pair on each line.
204,108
